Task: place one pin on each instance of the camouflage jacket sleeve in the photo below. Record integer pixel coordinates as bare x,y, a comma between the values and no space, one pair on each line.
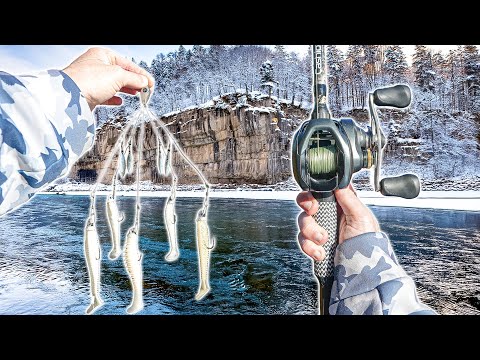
45,126
369,280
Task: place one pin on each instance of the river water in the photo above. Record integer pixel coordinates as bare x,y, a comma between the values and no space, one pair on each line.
256,267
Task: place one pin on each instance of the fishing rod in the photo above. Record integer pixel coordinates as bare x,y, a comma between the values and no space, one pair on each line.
326,153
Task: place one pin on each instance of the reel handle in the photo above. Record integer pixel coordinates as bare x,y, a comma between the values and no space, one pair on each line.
398,96
326,217
406,186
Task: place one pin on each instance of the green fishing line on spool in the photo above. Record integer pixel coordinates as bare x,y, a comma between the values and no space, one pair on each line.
321,160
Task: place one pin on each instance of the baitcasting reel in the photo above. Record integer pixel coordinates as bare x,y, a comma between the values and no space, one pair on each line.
327,152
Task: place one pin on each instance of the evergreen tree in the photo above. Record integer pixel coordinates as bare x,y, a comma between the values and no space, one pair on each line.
395,66
280,63
181,60
181,54
454,77
423,67
440,68
267,76
144,65
335,72
371,69
471,65
354,75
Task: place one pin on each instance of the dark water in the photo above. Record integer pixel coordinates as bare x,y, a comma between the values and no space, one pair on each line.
256,268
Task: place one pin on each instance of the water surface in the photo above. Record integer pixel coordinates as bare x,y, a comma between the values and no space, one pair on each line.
257,267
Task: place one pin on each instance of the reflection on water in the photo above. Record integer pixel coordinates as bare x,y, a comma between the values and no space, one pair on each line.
256,268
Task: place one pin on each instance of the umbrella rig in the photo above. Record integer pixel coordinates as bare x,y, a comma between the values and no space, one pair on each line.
129,159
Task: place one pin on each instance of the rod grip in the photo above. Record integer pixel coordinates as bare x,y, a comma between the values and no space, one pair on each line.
326,217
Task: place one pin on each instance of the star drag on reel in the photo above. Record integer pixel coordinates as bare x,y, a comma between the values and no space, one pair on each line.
327,152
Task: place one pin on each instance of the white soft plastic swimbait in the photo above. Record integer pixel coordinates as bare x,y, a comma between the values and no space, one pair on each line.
93,256
130,158
170,219
205,245
161,158
122,166
114,221
168,160
132,259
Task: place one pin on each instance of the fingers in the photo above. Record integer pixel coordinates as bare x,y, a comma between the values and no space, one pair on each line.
311,230
131,80
317,252
114,101
307,202
129,91
132,67
350,186
350,203
311,236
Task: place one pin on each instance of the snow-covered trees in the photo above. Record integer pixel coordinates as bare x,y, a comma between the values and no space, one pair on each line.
395,66
423,67
471,63
471,66
335,61
188,77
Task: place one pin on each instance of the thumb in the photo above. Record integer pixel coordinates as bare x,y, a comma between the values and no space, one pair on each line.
349,202
128,79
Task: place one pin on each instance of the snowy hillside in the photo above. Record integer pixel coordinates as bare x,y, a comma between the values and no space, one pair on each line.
437,138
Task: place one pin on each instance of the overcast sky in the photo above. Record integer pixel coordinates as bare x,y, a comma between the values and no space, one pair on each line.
27,58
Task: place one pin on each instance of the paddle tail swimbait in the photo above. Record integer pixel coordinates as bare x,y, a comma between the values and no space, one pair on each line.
93,256
114,221
161,158
205,245
170,218
132,259
122,166
130,158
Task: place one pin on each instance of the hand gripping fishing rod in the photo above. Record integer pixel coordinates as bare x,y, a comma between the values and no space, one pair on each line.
326,153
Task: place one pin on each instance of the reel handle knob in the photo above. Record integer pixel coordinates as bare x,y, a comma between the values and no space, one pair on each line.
406,186
398,96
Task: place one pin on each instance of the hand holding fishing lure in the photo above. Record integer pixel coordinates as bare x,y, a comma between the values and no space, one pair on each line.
326,153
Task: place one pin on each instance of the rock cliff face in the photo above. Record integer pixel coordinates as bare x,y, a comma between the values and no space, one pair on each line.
232,139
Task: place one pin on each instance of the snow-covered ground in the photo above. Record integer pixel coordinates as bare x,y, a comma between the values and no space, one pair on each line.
451,200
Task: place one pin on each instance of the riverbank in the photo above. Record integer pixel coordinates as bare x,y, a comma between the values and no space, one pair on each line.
448,200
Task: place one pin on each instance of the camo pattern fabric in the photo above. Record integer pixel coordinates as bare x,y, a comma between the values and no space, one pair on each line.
368,280
45,126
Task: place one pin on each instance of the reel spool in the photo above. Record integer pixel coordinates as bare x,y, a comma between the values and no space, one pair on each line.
322,161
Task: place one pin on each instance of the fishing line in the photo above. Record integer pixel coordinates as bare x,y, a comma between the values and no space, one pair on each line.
172,171
110,157
186,158
139,159
322,160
